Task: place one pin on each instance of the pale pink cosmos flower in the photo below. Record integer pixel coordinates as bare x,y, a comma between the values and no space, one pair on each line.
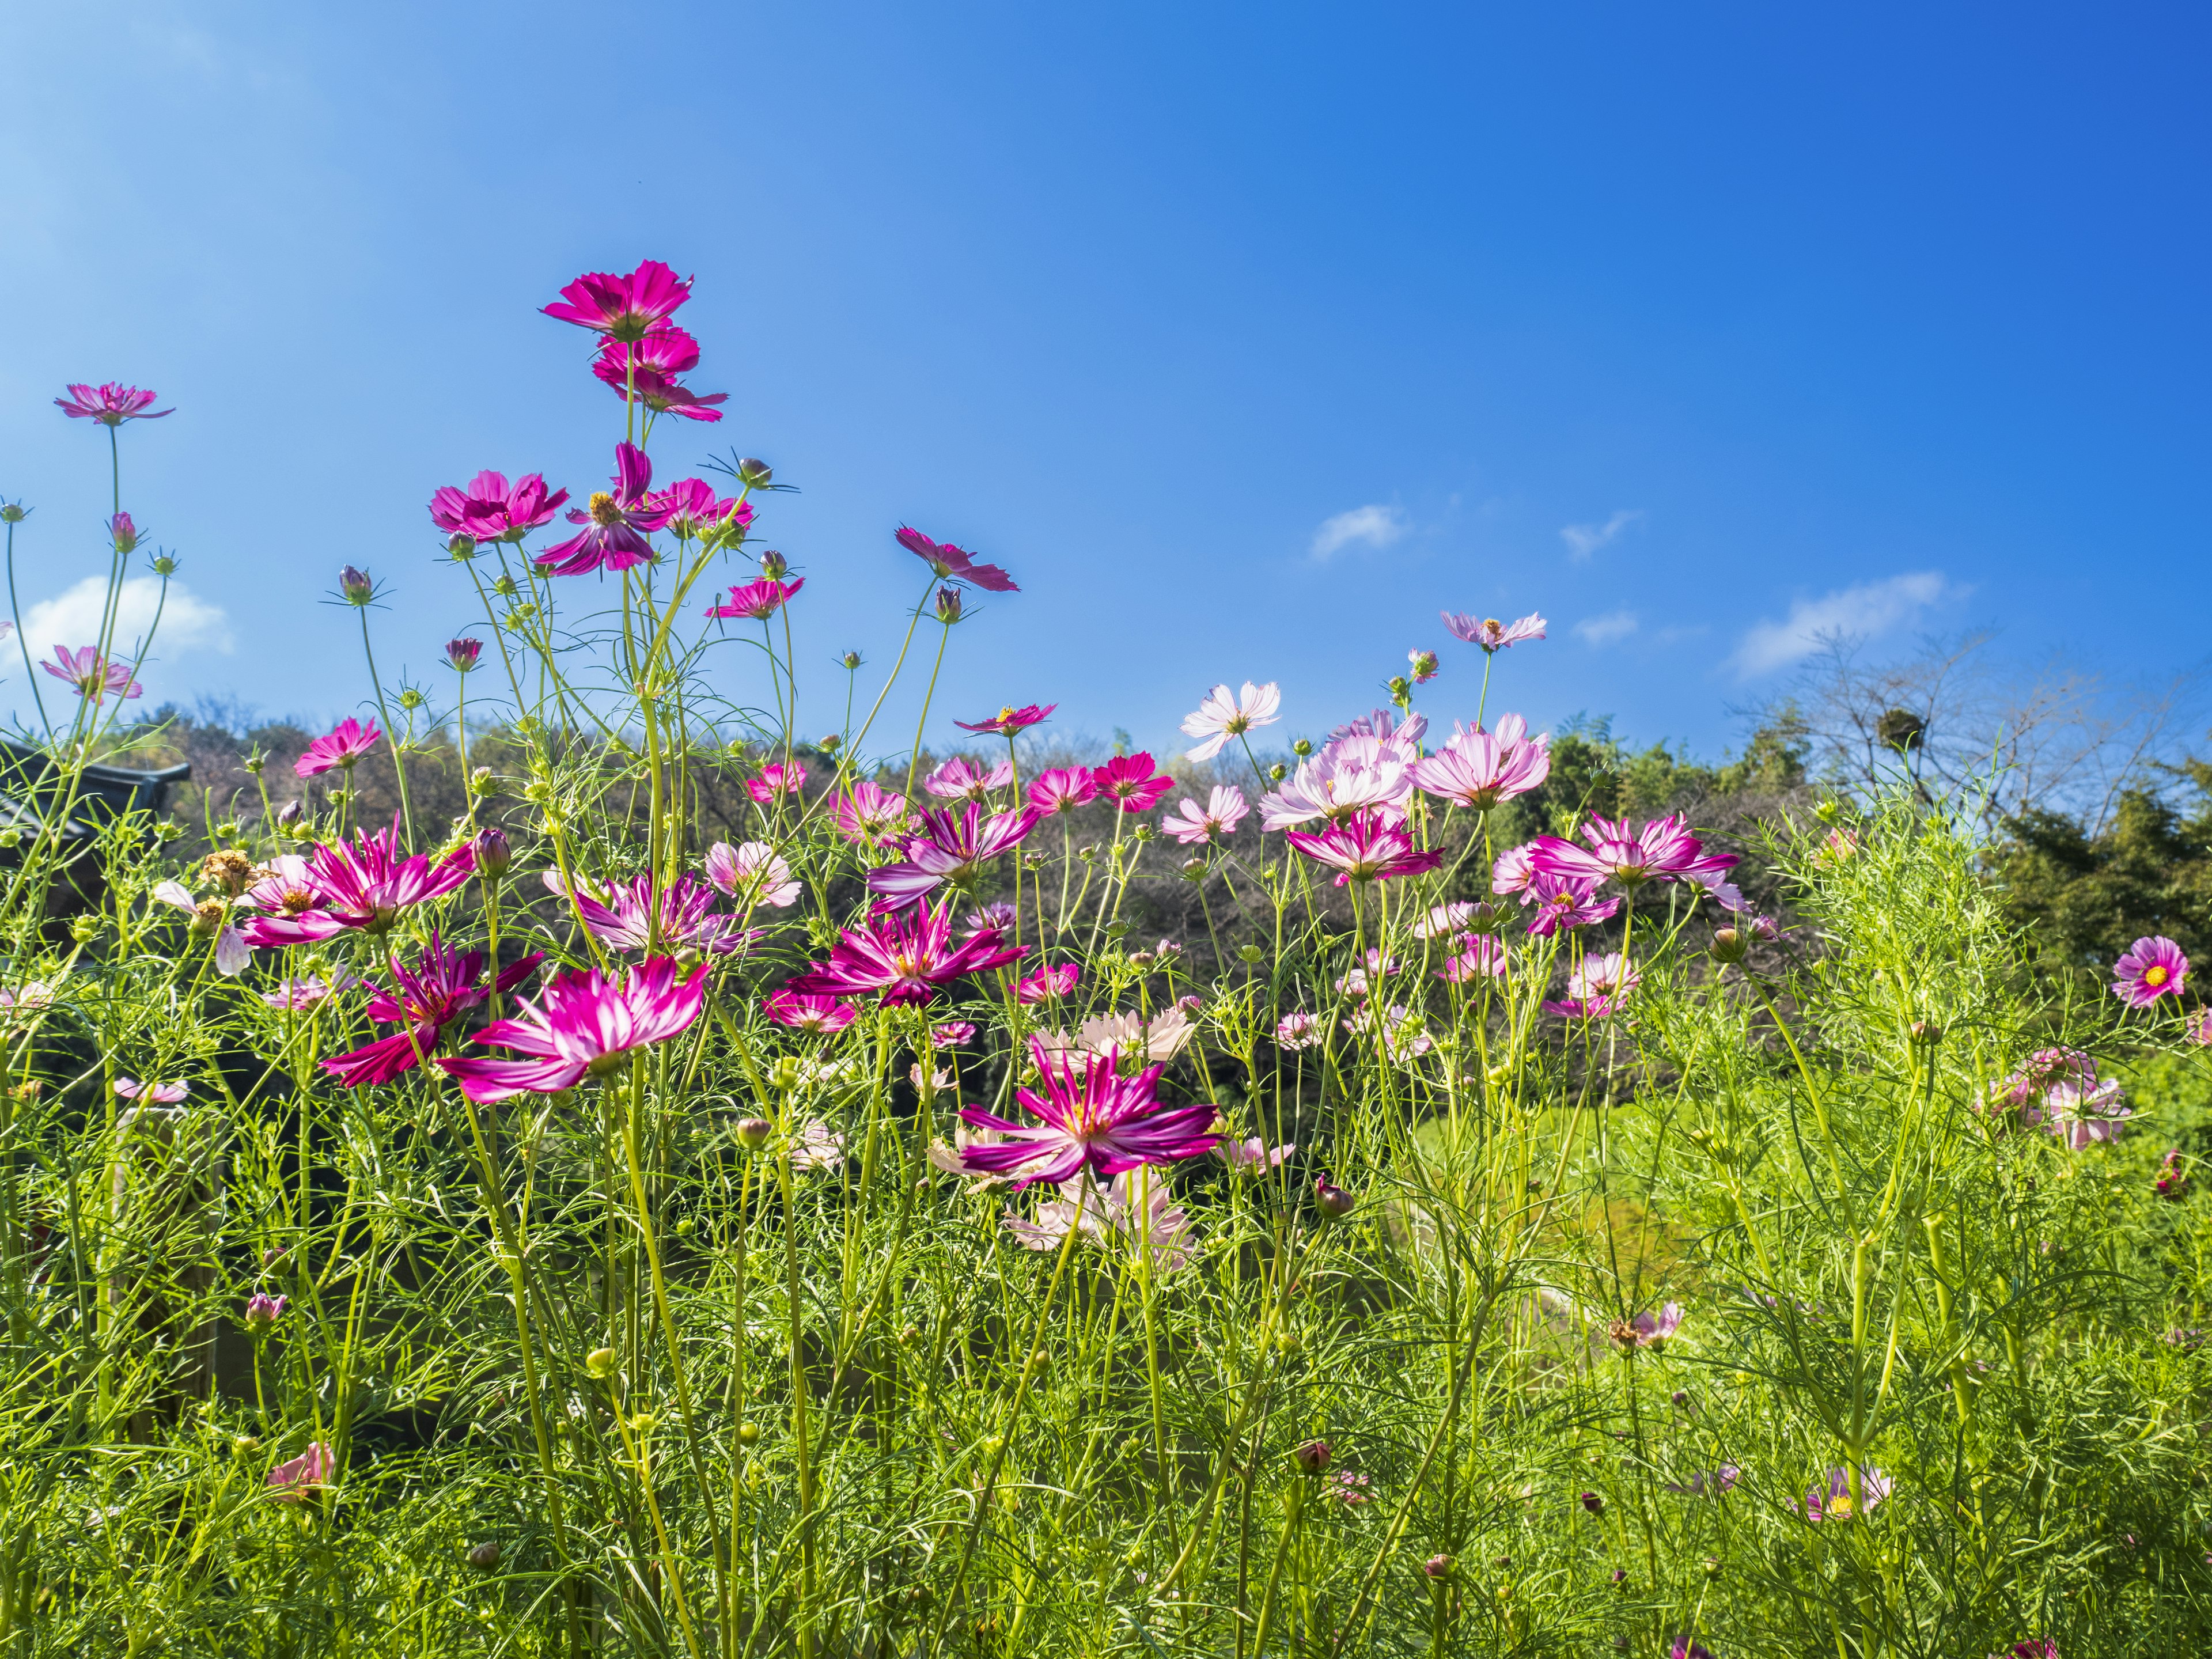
615,522
631,915
1099,1121
752,872
2080,1113
304,1476
1442,919
160,1094
1476,769
1300,1031
1353,774
581,1025
1404,1034
1046,984
951,1157
110,404
775,780
1253,1156
817,1146
1062,789
947,849
1399,735
2153,968
339,749
1596,988
998,914
1130,1035
1424,664
93,675
310,990
1835,1503
1663,850
1149,1222
815,1014
961,778
1511,871
1651,1330
1480,957
1366,847
1219,717
2200,1027
869,814
1492,634
1223,810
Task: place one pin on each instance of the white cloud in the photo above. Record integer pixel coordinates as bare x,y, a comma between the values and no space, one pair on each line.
72,619
1867,608
1375,525
1584,540
1608,629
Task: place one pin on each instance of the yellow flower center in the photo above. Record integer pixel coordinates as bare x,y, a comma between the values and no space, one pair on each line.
604,510
2155,976
1840,1507
1007,713
1491,625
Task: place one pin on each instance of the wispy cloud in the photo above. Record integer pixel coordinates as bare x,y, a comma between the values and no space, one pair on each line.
1584,540
72,619
1610,628
1866,608
1373,525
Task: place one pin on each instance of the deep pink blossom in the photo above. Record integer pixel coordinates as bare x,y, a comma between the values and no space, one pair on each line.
961,778
622,307
110,404
2153,968
954,564
581,1025
124,533
1010,720
1129,781
757,601
1062,789
1300,1031
870,814
1099,1122
1663,850
1424,665
461,654
1057,981
776,779
1365,847
1190,824
666,348
614,522
93,675
906,957
443,985
342,747
1477,768
1489,633
1561,904
631,916
364,885
696,513
814,1014
948,848
647,368
492,510
302,1476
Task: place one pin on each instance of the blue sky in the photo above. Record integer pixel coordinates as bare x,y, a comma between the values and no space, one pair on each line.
1248,338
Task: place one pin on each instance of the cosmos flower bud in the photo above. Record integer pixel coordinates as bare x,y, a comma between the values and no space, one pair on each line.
1333,1200
755,474
749,1434
1728,946
484,1558
851,660
1437,1566
13,513
355,585
493,853
1251,953
1425,665
1277,772
288,814
462,546
1926,1033
125,532
948,605
504,586
1303,747
1593,1503
262,1313
753,1132
831,742
774,564
1314,1457
461,654
164,565
1193,869
599,1363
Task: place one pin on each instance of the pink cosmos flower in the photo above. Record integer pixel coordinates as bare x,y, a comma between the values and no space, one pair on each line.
752,874
1663,850
2046,1068
1404,1034
1223,810
2080,1113
1219,717
1365,847
1062,789
1511,871
1453,917
110,404
1492,634
1720,1481
647,368
1835,1501
342,747
1477,768
776,779
310,991
962,778
1399,735
614,522
947,849
906,957
364,885
492,510
263,1310
1480,957
304,1476
1046,984
951,1033
696,513
666,348
1010,720
122,532
443,985
2200,1027
461,654
815,1015
869,815
1424,664
1253,1155
1684,1647
1356,773
2153,968
581,1025
93,675
1100,1215
999,915
160,1094
1128,781
2029,1650
630,916
953,564
622,307
757,601
1099,1122
1596,988
1651,1330
1562,904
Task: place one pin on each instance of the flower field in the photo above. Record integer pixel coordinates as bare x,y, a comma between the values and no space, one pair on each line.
571,1164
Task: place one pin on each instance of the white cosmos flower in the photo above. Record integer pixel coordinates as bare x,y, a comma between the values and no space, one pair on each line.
1221,717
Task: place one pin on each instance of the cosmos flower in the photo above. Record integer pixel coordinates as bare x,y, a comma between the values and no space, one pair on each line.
340,749
817,1146
2082,1114
1404,1034
461,655
1650,1330
1477,768
1511,871
1047,983
1223,810
1561,904
752,874
1596,988
1129,781
1253,1156
110,404
869,815
1365,847
1062,789
1424,665
1300,1031
998,914
775,780
581,1025
1663,850
695,512
1130,1035
1492,634
1357,771
159,1094
1100,1122
630,915
93,675
492,510
1010,720
1835,1501
962,778
1453,917
757,601
1721,1480
953,564
615,522
906,957
304,1476
2153,968
263,1311
1481,955
949,849
310,990
364,885
443,985
1219,717
622,307
815,1015
1101,1215
644,370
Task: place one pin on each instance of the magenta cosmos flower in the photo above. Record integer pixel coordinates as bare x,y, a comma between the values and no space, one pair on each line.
615,523
776,781
342,747
1663,850
1477,768
1219,717
1098,1122
581,1025
757,601
1191,823
815,1015
1365,847
630,915
1129,782
304,1476
953,564
93,675
908,957
1047,983
110,404
696,511
493,510
335,888
1010,720
947,849
443,985
622,307
870,814
1492,634
1062,789
646,368
2153,968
